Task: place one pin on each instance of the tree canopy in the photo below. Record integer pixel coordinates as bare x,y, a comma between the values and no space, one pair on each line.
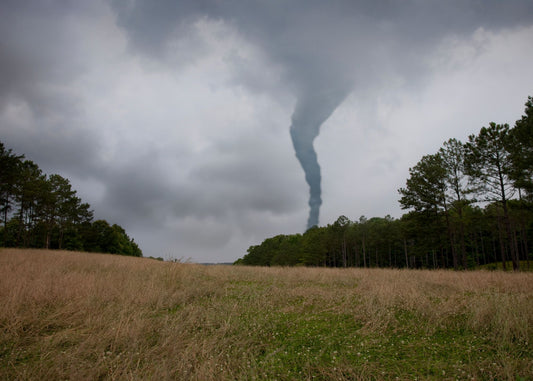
43,211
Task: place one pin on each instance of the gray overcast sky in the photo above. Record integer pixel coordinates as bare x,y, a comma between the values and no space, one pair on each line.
171,118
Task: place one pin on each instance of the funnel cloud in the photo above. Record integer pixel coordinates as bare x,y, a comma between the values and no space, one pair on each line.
311,111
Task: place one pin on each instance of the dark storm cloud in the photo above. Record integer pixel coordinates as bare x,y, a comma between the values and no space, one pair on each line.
40,58
130,98
314,39
41,50
325,49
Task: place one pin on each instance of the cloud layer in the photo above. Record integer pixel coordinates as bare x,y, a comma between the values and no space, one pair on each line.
173,118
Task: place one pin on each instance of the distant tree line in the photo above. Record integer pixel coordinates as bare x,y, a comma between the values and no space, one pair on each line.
41,211
469,204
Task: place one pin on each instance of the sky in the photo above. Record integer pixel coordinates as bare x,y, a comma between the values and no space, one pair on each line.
178,120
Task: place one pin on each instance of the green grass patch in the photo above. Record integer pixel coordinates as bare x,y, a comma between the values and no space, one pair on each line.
524,266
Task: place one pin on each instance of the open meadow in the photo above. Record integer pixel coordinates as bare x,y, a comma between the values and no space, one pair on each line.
81,316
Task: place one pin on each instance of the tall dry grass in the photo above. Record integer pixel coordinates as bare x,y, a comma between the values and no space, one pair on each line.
72,315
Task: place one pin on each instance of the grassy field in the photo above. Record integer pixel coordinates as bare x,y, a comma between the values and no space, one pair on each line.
78,316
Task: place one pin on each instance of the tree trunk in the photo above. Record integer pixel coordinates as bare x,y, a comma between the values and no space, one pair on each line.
482,248
462,236
476,250
502,246
525,244
452,243
60,239
405,250
510,238
364,252
344,256
47,244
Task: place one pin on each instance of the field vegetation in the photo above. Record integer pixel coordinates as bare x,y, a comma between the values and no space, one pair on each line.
91,316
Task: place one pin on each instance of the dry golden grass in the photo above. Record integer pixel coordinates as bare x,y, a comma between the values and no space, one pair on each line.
86,316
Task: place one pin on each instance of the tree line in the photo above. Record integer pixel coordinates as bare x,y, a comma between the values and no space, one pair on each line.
469,204
43,211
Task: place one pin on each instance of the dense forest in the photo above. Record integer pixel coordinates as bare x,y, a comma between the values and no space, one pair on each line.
41,211
469,204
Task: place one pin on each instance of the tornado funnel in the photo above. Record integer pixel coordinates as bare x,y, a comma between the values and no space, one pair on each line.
311,111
